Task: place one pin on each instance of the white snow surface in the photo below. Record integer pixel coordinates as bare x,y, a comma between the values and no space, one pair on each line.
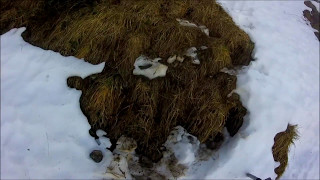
183,145
192,52
155,70
44,134
316,4
281,86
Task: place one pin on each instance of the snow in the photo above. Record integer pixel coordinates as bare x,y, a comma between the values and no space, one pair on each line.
316,4
44,134
171,59
281,86
191,52
152,68
183,145
123,153
103,141
187,23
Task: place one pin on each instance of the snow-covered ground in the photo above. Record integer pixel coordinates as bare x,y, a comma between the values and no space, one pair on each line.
280,87
45,135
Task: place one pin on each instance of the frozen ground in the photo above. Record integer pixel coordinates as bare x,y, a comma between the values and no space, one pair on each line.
45,135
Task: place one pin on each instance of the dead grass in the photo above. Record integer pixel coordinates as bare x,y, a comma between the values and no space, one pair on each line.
18,13
117,32
280,149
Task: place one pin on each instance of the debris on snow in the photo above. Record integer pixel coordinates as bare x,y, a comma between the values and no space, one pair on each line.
182,151
124,151
149,68
126,145
118,168
182,145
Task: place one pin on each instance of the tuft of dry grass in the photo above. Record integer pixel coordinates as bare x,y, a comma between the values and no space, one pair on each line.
117,32
280,149
18,13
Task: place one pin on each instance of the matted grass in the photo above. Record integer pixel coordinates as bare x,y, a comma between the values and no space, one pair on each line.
280,149
197,97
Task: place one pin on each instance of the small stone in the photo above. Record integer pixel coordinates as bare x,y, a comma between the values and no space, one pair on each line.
96,156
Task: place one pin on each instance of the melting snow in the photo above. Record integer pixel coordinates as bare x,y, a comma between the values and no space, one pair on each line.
149,68
203,28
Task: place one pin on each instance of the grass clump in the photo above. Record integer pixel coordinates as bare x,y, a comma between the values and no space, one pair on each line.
196,97
280,149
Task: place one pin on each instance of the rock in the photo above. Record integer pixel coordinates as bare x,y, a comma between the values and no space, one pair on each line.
96,156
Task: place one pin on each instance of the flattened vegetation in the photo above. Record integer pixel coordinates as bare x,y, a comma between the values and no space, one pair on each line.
196,97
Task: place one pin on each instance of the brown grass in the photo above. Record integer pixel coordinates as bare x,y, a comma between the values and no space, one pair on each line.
117,32
280,149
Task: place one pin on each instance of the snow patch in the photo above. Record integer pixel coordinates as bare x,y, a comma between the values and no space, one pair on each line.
103,141
149,68
44,134
123,153
316,4
191,52
187,23
182,145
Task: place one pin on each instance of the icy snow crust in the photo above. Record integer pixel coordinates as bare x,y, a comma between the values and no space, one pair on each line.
44,134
